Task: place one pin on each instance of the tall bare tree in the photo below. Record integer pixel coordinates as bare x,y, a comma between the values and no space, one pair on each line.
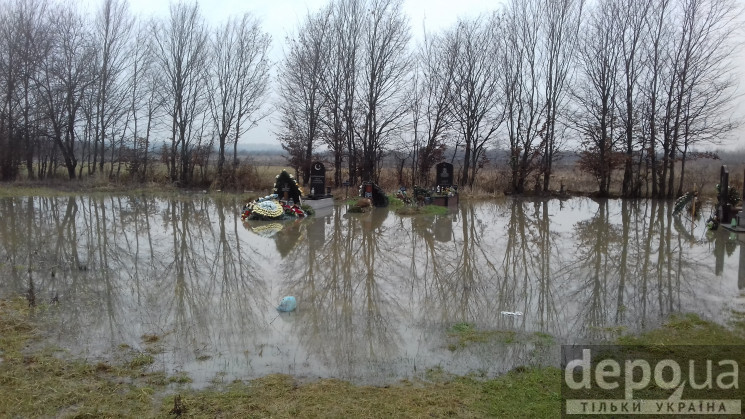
66,76
432,107
560,36
24,42
384,63
596,92
476,110
144,100
301,84
239,81
181,55
631,15
525,104
112,29
705,82
655,55
338,84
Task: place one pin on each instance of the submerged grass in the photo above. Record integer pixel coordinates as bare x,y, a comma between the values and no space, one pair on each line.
426,210
464,334
39,381
45,383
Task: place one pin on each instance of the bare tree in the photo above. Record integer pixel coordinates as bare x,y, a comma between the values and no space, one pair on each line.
655,56
596,92
384,65
112,29
525,105
181,56
560,36
144,100
705,83
300,80
65,78
350,14
24,42
338,84
239,81
631,15
432,104
475,88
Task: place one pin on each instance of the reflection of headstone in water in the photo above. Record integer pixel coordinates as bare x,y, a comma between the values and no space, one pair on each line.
724,208
287,238
443,229
719,244
317,231
373,220
741,268
444,175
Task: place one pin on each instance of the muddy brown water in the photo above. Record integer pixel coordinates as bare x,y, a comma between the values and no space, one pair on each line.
378,294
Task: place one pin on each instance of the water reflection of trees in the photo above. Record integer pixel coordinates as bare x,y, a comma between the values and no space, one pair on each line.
126,266
346,277
635,274
375,290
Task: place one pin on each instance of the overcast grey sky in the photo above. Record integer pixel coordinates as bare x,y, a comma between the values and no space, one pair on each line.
281,17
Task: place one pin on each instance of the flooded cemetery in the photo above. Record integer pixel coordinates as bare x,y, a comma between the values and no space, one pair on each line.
380,297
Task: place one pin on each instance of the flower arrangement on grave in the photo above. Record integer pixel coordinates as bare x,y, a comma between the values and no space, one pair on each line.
446,190
420,192
269,208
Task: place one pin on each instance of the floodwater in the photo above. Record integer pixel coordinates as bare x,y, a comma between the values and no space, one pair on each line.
378,294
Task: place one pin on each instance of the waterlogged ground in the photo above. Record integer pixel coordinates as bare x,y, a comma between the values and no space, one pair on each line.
486,288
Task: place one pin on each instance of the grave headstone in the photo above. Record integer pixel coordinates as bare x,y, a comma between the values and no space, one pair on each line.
317,180
444,174
375,193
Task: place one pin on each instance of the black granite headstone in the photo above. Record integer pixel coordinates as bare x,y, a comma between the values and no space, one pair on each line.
317,180
444,174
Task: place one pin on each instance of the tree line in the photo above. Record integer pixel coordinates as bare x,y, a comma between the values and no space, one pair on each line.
634,86
101,91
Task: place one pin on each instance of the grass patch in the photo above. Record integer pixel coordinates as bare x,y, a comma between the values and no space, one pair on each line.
147,338
534,393
140,360
423,210
394,202
464,334
688,329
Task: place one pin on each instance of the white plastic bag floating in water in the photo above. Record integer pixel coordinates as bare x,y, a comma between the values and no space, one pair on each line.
287,304
512,313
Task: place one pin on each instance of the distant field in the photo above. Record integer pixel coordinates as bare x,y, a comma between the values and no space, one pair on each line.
257,173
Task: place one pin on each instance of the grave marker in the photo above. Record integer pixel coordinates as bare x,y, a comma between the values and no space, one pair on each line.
317,180
444,174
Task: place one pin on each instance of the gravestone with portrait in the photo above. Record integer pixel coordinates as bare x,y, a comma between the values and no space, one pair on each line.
444,175
446,193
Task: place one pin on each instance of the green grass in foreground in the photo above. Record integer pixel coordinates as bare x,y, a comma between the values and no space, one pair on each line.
38,381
